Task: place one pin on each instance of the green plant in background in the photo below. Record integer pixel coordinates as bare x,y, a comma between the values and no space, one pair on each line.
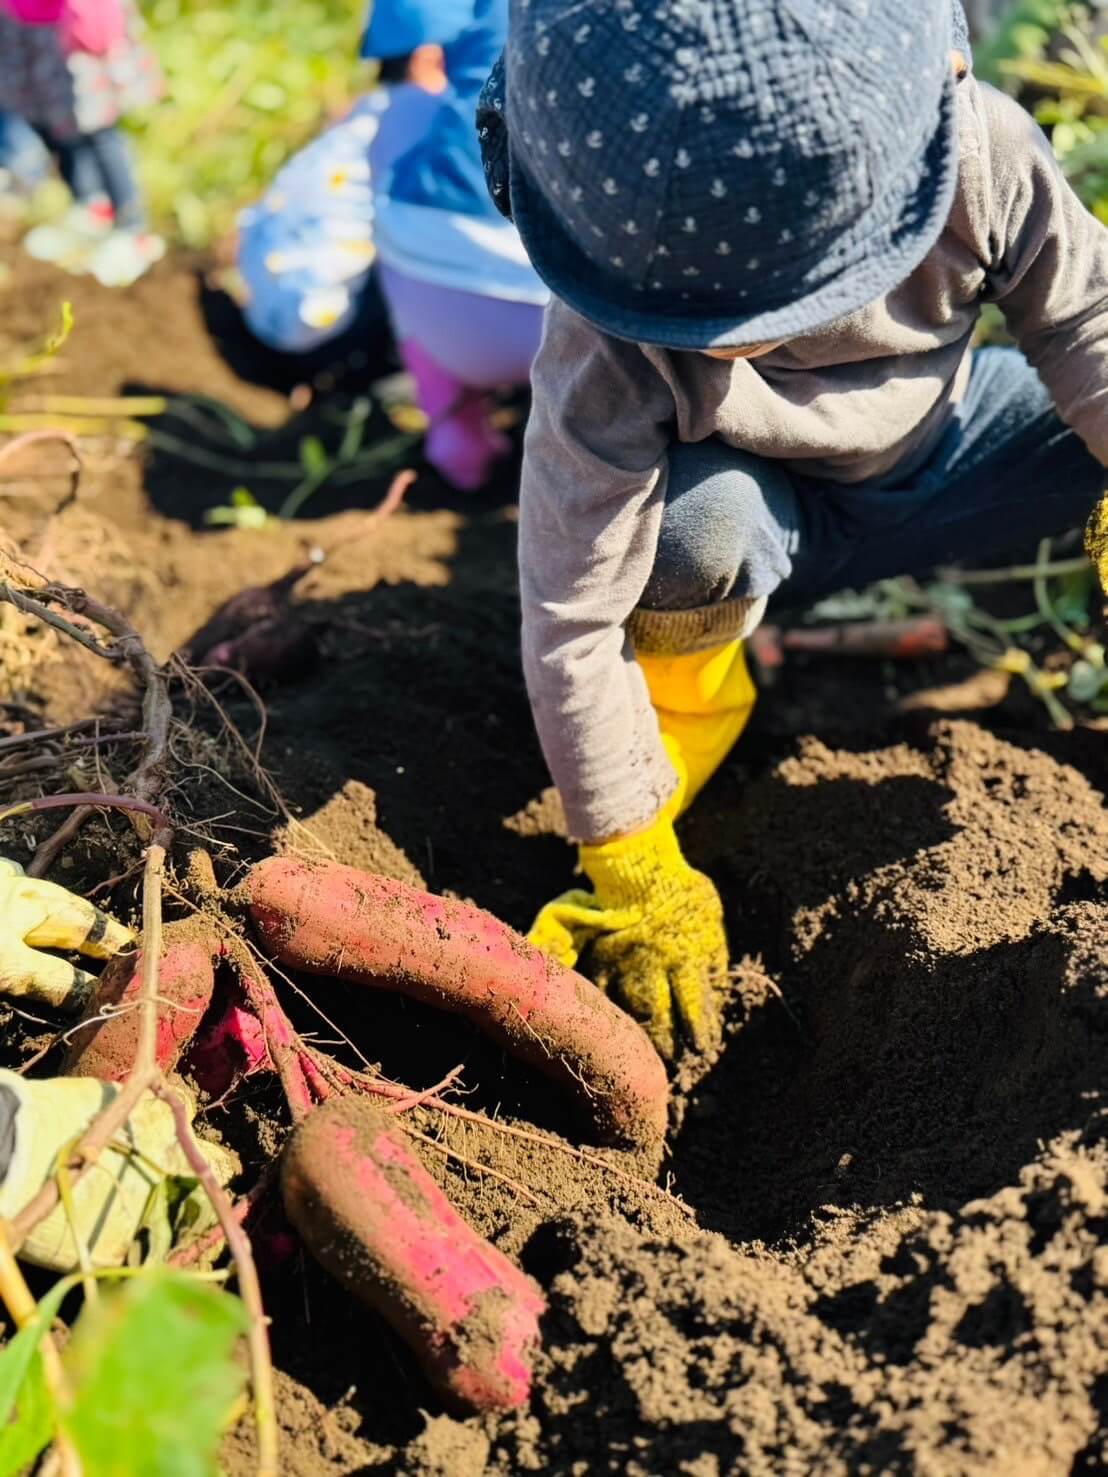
1075,109
1051,648
33,361
248,83
147,1384
1022,33
1055,57
36,415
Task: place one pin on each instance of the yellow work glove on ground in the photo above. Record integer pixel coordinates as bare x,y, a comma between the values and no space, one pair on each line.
142,1180
40,915
654,933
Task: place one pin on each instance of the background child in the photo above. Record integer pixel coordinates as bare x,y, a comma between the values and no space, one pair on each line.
770,226
306,251
72,69
24,162
465,304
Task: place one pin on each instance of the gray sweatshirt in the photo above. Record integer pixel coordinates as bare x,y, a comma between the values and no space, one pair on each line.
870,393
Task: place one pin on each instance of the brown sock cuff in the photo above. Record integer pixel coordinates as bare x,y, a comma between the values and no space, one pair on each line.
675,632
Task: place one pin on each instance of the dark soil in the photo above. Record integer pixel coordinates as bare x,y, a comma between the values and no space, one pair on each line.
896,1167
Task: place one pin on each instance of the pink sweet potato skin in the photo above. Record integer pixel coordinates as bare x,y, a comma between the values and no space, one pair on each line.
329,919
372,1216
186,978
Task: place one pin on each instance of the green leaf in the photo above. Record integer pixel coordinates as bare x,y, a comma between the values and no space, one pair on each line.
58,337
238,515
267,96
154,1377
950,599
32,1423
26,1417
313,457
34,360
1085,682
1072,604
1024,31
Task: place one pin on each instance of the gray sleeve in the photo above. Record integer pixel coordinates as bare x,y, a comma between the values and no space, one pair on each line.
1050,270
590,511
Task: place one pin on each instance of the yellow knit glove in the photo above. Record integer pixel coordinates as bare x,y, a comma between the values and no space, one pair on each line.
654,933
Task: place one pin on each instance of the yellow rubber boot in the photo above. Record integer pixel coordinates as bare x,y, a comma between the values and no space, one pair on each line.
703,700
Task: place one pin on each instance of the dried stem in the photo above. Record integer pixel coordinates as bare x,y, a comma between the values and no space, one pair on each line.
35,765
146,1058
475,1164
20,740
30,606
417,1099
261,1365
87,797
392,499
57,841
148,780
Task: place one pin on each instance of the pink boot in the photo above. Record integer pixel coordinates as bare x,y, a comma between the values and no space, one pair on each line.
461,444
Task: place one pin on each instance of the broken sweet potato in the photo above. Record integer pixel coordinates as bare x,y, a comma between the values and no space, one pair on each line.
105,1041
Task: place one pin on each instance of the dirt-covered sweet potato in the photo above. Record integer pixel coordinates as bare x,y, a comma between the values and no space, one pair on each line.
329,919
370,1213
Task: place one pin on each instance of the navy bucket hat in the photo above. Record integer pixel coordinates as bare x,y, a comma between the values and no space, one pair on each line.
719,173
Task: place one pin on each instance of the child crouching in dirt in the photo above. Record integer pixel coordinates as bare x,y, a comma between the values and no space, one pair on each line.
465,304
769,227
72,69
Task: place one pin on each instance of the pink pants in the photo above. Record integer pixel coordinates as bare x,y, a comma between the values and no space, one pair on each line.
458,347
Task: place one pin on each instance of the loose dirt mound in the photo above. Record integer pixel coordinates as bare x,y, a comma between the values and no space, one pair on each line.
972,1343
924,1138
898,1161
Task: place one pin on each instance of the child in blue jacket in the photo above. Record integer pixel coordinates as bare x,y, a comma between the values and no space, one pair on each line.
305,250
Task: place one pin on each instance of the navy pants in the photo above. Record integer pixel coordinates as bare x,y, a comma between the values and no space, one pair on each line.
99,163
1005,474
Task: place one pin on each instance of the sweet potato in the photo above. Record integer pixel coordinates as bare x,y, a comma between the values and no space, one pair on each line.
186,978
329,919
369,1212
